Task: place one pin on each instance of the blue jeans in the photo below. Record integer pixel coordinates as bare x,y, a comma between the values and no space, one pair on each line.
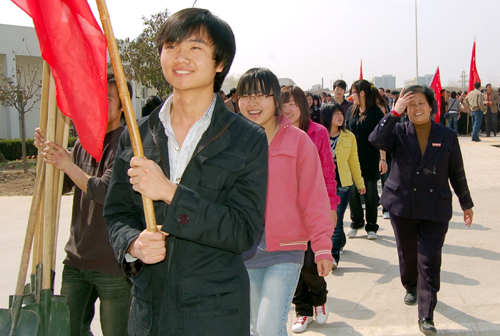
338,238
477,119
83,287
271,293
453,121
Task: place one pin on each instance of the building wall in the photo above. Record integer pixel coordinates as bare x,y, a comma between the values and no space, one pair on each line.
385,81
16,42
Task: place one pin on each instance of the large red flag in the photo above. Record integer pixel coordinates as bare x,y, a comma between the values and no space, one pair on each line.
473,75
74,46
436,86
361,70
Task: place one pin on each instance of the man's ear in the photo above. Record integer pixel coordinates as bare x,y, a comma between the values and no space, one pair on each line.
220,67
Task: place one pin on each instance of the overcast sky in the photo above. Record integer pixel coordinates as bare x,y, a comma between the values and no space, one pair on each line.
315,39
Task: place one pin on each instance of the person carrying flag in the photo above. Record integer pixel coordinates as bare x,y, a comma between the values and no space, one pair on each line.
206,171
91,270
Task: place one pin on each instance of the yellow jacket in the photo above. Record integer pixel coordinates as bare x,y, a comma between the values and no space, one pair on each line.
348,161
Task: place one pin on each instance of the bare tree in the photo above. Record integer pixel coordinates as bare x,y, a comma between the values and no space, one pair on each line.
21,91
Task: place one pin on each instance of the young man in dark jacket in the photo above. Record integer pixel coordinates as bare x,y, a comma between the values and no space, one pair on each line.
206,171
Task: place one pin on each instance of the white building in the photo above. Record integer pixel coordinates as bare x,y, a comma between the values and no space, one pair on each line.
422,80
286,81
385,81
18,48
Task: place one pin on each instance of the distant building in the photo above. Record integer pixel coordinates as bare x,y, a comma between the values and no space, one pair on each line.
422,80
286,81
316,88
385,81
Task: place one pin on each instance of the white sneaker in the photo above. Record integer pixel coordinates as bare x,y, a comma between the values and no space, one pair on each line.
386,215
335,265
321,313
300,324
372,235
352,233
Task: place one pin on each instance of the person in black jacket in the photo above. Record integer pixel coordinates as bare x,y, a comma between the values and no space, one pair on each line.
426,156
206,171
362,118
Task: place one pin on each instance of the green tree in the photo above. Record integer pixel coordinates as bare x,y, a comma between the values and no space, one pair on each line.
21,91
140,57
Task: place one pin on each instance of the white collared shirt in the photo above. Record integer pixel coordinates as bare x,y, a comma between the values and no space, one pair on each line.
179,157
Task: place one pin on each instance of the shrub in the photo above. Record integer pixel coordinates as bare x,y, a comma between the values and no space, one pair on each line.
12,148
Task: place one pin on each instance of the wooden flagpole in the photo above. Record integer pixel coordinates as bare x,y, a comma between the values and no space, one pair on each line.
121,82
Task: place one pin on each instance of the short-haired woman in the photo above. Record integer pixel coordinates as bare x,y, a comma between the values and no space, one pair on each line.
426,158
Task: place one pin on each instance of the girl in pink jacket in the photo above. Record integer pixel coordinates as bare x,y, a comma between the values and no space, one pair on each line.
297,207
310,296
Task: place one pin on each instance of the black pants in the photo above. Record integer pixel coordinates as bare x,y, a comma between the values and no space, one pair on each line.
311,289
371,205
491,121
419,244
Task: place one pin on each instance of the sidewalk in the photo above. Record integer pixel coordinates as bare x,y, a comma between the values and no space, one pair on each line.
365,294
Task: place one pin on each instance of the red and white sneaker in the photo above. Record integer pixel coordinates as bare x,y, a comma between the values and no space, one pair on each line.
321,313
300,324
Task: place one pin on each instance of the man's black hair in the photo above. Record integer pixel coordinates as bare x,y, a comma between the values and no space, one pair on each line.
201,22
112,80
477,85
341,84
232,91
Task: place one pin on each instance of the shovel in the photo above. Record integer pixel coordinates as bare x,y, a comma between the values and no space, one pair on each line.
40,312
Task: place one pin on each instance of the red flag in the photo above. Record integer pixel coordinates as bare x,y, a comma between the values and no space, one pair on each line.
74,46
361,70
436,86
473,75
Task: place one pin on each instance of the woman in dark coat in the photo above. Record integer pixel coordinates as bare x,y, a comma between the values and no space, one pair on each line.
417,195
362,118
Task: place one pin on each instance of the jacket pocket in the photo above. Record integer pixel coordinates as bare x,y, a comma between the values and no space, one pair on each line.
445,194
141,310
215,171
215,304
151,153
211,294
391,185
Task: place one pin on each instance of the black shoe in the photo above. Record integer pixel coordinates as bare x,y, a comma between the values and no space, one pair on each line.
476,140
426,326
411,298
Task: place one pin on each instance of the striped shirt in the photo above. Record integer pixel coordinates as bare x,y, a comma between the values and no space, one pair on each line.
178,157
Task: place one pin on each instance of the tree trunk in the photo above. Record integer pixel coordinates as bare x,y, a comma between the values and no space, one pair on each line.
23,143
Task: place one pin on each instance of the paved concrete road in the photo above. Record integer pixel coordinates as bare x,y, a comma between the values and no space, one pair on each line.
365,294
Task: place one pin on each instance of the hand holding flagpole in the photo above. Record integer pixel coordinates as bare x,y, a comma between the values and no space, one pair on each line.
127,105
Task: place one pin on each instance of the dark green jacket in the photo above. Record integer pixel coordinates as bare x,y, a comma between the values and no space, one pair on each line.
202,287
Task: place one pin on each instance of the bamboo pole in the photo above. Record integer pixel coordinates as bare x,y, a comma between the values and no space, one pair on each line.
49,216
40,166
62,135
135,136
38,190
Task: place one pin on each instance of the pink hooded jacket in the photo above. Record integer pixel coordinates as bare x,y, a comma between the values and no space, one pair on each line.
321,138
297,207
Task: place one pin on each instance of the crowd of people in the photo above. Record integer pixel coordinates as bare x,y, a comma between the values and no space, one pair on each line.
250,192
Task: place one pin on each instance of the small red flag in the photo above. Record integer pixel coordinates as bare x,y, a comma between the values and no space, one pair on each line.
473,75
361,70
74,46
436,86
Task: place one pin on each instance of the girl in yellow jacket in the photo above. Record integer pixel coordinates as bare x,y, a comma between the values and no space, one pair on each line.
345,155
